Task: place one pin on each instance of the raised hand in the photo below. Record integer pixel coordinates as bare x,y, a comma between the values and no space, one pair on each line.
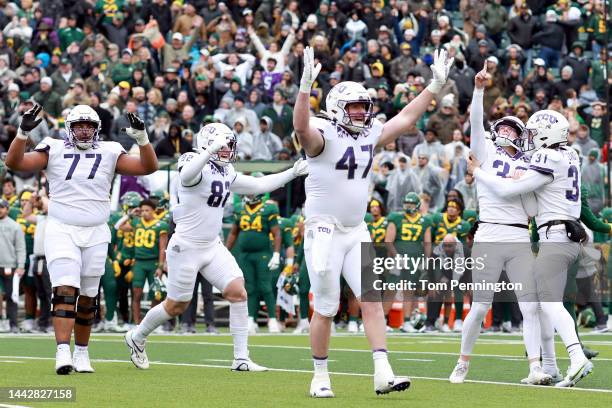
440,68
30,119
310,71
482,77
137,129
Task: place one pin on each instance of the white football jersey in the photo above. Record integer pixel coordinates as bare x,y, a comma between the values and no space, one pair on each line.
198,210
339,177
559,199
493,208
80,181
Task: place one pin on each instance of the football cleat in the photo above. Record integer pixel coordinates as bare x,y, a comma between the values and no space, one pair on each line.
589,353
575,373
320,386
137,351
407,327
245,364
445,328
460,372
27,326
458,327
63,362
537,376
302,327
352,327
80,361
98,327
273,326
383,384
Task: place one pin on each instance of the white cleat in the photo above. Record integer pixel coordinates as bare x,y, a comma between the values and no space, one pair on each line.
137,351
320,386
458,327
352,327
575,373
273,326
80,361
610,322
407,327
27,326
537,376
63,362
5,326
460,372
445,328
245,364
385,383
98,327
361,328
302,327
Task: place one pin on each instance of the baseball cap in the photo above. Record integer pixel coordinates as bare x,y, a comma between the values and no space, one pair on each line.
383,28
483,43
46,80
13,87
405,46
379,66
493,59
64,61
140,21
127,51
177,36
539,62
4,203
124,85
247,11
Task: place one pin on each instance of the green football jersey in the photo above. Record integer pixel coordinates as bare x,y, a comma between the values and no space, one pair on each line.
441,226
286,227
255,224
29,229
377,228
146,237
410,228
471,216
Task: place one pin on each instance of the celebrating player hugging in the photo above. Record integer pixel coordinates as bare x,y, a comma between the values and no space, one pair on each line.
206,178
339,148
80,170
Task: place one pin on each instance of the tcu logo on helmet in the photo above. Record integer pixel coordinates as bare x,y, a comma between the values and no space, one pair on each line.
545,117
341,88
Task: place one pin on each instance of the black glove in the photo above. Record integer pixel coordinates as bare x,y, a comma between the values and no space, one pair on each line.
135,122
29,121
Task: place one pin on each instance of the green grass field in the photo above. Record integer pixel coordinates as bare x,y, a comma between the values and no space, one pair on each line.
193,370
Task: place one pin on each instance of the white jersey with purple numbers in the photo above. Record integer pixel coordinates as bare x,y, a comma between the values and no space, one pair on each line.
339,177
493,208
198,210
80,181
559,199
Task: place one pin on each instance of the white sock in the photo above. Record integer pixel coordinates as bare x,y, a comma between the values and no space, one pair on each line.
305,321
320,365
471,326
547,338
381,360
565,326
152,320
239,328
531,329
80,348
63,347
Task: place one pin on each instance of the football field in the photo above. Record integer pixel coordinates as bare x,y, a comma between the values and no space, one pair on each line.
193,370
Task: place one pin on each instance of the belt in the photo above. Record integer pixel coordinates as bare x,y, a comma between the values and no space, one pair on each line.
552,224
524,226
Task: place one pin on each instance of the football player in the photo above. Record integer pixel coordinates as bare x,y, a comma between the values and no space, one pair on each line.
252,227
554,176
339,148
303,280
80,170
206,179
502,236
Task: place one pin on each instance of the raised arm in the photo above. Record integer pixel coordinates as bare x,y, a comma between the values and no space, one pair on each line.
310,138
146,163
261,50
411,113
477,140
190,165
17,159
259,185
287,44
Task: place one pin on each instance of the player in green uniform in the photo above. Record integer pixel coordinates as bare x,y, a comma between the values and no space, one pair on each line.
150,241
27,220
451,222
161,198
252,226
281,274
409,233
303,279
606,215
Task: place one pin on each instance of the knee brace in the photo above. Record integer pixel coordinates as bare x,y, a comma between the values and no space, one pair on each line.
86,310
65,296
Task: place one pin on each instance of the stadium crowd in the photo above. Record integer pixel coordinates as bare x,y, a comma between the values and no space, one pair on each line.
182,64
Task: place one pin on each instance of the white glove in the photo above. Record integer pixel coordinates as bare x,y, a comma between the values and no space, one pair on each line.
218,142
274,262
300,168
440,68
310,71
137,129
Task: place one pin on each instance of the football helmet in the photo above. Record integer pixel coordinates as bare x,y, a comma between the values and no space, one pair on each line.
340,97
412,198
606,214
252,199
205,136
546,128
290,284
130,200
158,289
82,138
161,197
418,319
503,140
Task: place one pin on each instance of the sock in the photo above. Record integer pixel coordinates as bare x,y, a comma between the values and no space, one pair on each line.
547,339
531,329
79,348
563,323
381,361
63,347
471,326
320,365
533,365
352,318
239,328
152,320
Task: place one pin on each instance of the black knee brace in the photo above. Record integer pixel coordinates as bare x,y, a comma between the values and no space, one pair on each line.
86,310
60,299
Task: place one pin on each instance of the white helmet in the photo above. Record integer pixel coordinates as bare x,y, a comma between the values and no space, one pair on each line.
502,141
86,138
205,137
546,128
343,94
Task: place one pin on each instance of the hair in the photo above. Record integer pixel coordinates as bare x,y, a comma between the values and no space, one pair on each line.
148,203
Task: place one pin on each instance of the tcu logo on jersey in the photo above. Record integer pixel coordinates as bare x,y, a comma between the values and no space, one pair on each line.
324,229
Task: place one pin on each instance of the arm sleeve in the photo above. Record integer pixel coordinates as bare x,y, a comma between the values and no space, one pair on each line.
477,141
287,44
259,185
507,187
190,170
261,50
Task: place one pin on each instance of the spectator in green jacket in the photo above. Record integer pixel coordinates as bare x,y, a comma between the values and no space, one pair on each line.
124,69
50,100
281,115
70,33
495,19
